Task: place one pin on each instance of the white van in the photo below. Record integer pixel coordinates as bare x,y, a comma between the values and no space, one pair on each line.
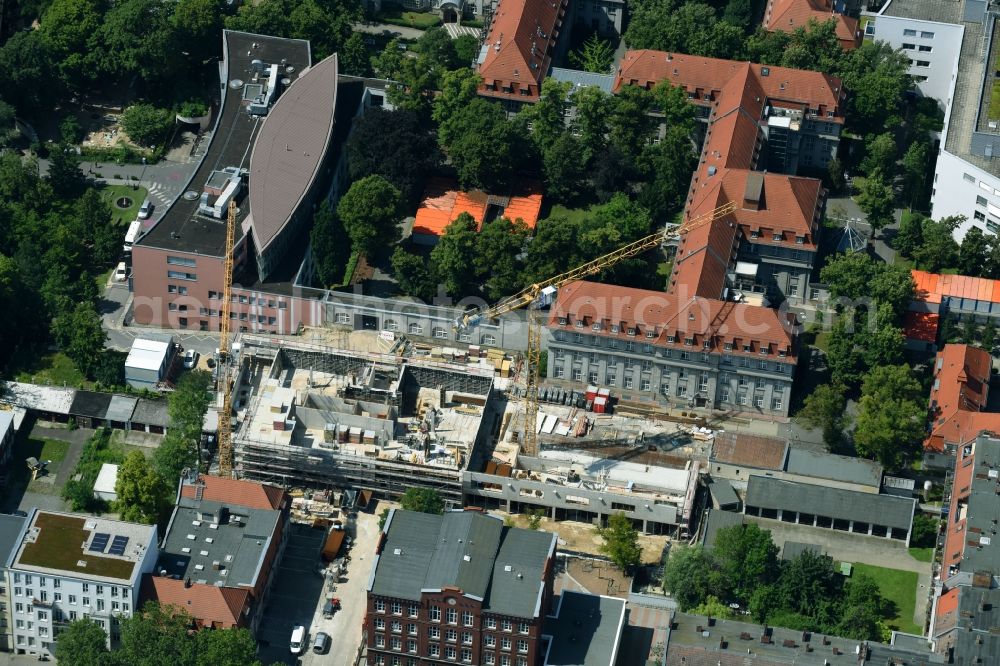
298,639
131,235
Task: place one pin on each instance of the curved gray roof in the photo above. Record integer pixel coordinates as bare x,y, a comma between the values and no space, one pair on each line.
289,150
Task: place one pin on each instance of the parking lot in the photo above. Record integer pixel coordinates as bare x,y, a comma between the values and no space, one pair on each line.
300,591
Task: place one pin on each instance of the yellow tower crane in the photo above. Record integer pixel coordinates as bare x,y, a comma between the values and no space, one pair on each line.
531,297
225,415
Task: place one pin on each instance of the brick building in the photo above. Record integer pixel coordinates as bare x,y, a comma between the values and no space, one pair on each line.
790,15
458,588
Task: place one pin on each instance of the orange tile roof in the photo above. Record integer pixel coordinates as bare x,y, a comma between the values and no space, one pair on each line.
706,77
235,492
932,288
750,450
787,15
655,317
921,326
959,393
443,203
209,605
519,47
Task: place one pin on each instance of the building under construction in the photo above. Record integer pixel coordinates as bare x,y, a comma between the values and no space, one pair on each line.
319,417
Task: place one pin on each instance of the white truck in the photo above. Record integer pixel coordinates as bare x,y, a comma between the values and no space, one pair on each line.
131,235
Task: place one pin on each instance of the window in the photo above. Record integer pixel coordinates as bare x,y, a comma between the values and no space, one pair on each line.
489,339
466,638
397,608
411,628
379,605
776,237
610,379
411,646
435,613
180,261
435,650
926,35
979,215
491,640
909,33
391,325
628,381
467,655
491,658
763,365
644,384
343,318
439,332
909,46
559,372
380,623
980,200
72,598
86,601
793,289
522,646
178,275
522,628
578,375
504,660
968,177
682,390
758,400
450,652
451,635
397,643
923,63
491,623
434,632
591,377
397,627
467,619
506,624
452,616
924,48
414,328
776,403
379,640
724,397
505,643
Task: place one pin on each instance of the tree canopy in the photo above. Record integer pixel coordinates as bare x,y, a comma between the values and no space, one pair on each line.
620,542
424,500
141,494
370,213
890,423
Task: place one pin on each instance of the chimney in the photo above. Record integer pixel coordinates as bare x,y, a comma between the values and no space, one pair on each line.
187,582
753,193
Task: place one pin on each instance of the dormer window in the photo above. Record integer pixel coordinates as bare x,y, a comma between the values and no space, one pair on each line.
596,326
776,237
615,328
579,323
630,332
688,341
707,344
781,353
563,321
764,350
747,347
671,338
650,334
728,346
755,234
800,240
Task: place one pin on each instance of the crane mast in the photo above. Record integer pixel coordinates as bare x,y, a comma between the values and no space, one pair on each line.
225,415
529,298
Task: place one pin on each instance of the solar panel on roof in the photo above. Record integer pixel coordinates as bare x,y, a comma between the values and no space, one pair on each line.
118,545
99,542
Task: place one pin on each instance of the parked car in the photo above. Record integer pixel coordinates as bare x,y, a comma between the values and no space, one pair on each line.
121,272
322,643
298,639
331,606
145,210
190,358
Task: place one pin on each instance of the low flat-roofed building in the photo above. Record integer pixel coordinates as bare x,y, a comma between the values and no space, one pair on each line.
834,508
739,456
227,534
714,520
11,529
150,416
48,403
584,630
723,495
104,486
696,640
148,360
76,566
89,408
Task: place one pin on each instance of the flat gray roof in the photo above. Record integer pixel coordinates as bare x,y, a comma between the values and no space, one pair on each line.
10,531
581,79
723,493
468,550
837,468
151,412
768,493
983,507
793,549
121,408
193,546
586,630
716,520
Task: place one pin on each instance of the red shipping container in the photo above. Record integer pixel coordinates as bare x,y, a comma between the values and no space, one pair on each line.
600,404
591,392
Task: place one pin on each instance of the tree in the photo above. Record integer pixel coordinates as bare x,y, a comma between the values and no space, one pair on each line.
714,608
876,199
915,171
228,647
824,409
630,127
881,341
880,154
988,336
454,256
82,643
156,636
382,517
747,558
186,408
689,27
842,355
136,36
498,246
147,125
458,90
670,163
369,211
394,145
413,274
438,47
689,576
553,250
466,49
862,610
877,78
973,252
891,415
925,531
71,30
330,252
424,500
486,148
938,249
81,336
593,107
594,55
910,235
547,115
197,24
621,542
855,276
142,494
30,72
354,58
64,173
564,171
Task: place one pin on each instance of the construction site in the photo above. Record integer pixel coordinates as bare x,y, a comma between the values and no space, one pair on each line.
321,418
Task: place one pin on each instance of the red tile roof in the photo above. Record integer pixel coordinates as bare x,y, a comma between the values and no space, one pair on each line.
931,287
921,326
787,15
235,492
750,450
706,77
519,47
210,606
655,317
959,393
444,202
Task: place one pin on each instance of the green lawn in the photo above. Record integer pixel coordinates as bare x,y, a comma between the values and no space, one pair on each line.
49,449
899,587
53,368
111,193
922,554
994,112
418,20
574,214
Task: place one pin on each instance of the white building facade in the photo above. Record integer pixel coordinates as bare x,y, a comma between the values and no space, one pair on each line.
45,599
933,49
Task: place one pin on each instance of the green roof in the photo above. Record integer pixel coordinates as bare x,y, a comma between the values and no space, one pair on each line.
58,546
